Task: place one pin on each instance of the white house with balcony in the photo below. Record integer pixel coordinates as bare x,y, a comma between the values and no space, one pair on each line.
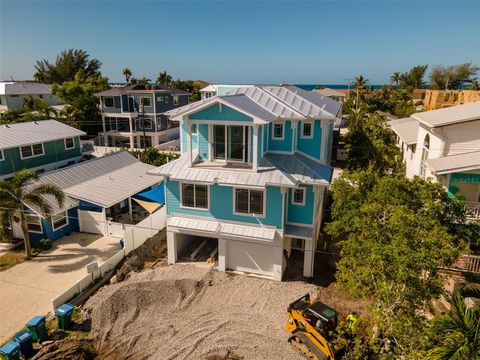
218,89
444,144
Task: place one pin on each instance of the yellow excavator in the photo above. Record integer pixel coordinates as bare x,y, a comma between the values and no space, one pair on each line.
312,326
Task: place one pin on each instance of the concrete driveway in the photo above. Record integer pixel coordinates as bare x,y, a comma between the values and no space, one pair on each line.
27,289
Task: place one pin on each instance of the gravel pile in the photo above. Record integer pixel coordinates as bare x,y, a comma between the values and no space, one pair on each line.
185,312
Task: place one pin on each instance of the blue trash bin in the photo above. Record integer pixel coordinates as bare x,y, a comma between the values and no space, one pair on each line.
64,316
24,338
10,351
36,326
122,243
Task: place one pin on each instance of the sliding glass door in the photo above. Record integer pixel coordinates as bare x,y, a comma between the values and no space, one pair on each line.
230,143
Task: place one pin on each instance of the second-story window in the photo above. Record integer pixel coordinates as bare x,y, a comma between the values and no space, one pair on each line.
195,196
1,155
69,143
176,100
307,130
109,102
249,202
277,131
31,150
147,102
298,197
160,98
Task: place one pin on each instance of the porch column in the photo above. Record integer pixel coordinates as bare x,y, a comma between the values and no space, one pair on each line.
308,258
130,207
131,131
255,148
171,248
222,248
189,142
104,127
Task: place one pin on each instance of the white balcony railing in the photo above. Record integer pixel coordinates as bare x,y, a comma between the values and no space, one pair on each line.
472,210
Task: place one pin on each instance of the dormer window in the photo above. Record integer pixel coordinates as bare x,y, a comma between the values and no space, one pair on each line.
278,131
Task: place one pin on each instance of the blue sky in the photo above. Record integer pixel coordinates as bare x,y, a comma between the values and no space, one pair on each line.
242,41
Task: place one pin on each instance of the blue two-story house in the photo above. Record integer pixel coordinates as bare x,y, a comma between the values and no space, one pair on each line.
252,177
133,116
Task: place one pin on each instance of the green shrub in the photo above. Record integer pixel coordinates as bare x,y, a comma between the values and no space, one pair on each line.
45,244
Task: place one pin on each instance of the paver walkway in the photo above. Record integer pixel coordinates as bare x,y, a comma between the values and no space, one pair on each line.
27,289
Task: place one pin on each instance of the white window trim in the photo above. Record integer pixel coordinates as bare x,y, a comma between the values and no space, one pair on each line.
176,100
304,196
113,101
33,155
61,227
65,143
264,197
302,135
41,225
144,121
273,131
160,98
3,155
194,198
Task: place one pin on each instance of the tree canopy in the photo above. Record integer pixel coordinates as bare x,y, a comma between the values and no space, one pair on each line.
453,76
413,79
66,66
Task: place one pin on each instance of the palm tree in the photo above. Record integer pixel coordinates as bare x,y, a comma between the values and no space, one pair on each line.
128,74
143,81
458,332
14,193
164,78
360,83
395,78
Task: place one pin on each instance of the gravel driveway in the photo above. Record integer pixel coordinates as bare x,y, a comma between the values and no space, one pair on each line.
27,289
185,312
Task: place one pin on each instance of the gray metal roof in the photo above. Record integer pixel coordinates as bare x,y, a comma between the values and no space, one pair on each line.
296,231
450,115
448,164
24,88
273,169
268,103
406,129
137,88
32,132
104,181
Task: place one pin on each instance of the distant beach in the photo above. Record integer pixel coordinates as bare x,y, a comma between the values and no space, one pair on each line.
310,87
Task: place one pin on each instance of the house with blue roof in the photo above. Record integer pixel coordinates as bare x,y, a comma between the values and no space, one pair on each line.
252,178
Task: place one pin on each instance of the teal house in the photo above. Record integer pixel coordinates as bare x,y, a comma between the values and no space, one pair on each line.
38,145
252,179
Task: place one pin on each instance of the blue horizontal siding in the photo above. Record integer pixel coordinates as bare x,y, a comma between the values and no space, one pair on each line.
312,146
224,114
299,213
280,145
49,233
221,205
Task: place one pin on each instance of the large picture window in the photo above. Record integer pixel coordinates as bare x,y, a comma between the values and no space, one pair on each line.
249,202
195,196
34,224
31,150
59,220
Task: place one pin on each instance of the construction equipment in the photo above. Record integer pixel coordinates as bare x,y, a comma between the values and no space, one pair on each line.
313,328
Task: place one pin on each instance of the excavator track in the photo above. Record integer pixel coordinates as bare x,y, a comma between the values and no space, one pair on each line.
303,344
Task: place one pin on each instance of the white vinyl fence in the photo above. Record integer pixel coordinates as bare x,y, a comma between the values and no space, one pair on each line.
134,236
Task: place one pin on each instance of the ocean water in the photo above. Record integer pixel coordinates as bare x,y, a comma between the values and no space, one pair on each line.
310,87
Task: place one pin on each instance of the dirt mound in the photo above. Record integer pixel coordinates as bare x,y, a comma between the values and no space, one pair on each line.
184,312
69,350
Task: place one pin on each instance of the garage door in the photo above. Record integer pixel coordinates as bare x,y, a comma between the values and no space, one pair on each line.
91,222
249,257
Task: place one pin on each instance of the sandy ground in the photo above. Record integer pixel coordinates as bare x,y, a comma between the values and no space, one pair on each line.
185,312
27,289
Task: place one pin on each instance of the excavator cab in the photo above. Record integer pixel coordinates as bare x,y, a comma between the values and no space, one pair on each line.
312,326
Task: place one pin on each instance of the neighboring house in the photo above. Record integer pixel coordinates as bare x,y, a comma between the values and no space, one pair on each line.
252,177
38,145
438,99
218,89
125,124
332,94
13,93
444,144
98,199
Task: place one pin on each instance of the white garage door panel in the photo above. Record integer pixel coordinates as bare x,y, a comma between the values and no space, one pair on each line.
249,257
91,221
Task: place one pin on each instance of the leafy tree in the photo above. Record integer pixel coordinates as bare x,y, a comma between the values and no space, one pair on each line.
457,334
453,76
143,81
79,94
393,238
413,79
128,74
66,67
37,106
164,78
15,193
154,157
370,143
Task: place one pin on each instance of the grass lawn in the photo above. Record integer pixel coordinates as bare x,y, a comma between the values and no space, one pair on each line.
14,257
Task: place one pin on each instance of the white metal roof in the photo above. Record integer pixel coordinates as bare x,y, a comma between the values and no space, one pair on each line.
406,129
24,88
104,181
220,228
268,103
450,115
32,132
216,87
449,164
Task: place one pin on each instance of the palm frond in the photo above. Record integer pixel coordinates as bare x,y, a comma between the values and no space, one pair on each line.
472,290
38,202
49,189
22,177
